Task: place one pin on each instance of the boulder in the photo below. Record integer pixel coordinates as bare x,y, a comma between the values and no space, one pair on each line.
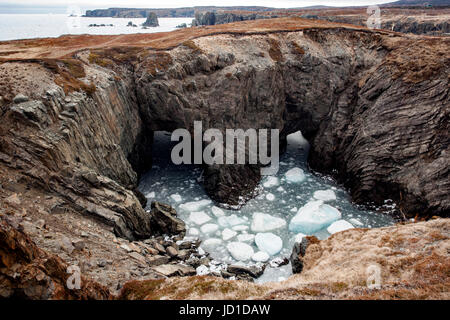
298,252
164,220
253,271
175,270
20,98
152,20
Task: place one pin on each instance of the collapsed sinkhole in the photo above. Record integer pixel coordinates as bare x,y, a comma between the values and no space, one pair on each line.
264,229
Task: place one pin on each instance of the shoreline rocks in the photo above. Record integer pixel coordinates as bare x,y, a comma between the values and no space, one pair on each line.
152,20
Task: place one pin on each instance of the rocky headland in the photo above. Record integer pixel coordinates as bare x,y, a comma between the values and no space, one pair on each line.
78,115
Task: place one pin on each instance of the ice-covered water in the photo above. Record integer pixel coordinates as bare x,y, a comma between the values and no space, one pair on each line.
27,26
293,203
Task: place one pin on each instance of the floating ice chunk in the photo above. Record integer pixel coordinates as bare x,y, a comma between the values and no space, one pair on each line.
217,212
211,244
356,222
199,217
151,195
325,195
230,221
240,251
270,197
263,222
280,189
202,270
195,205
193,232
228,234
295,175
247,238
271,182
296,139
294,209
209,228
299,237
200,251
313,216
338,226
269,243
176,197
240,228
260,256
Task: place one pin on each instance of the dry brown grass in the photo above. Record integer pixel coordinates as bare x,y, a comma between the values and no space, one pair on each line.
191,45
275,50
296,49
417,61
67,46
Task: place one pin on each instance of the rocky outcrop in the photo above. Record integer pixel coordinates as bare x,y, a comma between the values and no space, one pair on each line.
27,272
164,220
215,18
299,251
152,20
400,23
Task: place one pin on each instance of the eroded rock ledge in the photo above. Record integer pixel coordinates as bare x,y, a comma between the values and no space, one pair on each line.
373,104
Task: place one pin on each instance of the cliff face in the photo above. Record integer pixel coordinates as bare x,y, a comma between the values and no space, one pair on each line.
374,105
78,146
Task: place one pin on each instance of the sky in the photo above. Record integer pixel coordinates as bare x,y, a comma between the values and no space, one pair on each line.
12,6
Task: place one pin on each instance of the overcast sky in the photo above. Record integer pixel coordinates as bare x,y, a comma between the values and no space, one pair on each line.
183,3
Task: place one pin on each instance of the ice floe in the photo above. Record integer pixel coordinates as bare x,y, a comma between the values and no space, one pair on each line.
176,197
195,205
193,232
230,221
240,228
199,217
209,228
325,195
314,216
338,226
240,251
299,237
263,222
202,270
210,244
271,182
217,212
270,196
246,237
295,175
261,256
228,234
269,243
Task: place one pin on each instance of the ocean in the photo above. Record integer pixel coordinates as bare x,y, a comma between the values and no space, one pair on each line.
28,26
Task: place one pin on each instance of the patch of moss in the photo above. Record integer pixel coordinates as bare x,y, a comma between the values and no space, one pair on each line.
139,290
296,49
191,44
158,62
275,50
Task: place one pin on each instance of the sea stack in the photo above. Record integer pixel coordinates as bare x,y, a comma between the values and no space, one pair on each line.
152,20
